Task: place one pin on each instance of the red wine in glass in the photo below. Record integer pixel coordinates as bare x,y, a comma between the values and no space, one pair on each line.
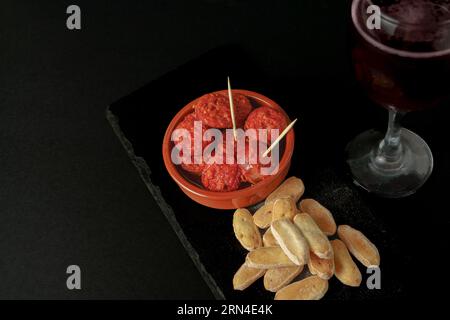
404,65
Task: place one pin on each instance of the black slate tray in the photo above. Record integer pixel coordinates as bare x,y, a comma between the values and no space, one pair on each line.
331,112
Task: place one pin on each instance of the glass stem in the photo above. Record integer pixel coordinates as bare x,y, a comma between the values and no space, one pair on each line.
389,155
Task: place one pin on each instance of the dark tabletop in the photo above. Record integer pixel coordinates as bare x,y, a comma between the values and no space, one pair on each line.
68,192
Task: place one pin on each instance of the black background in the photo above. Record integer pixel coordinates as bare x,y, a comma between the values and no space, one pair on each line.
69,194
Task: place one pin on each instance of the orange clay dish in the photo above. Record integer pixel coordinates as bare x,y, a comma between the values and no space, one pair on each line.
230,184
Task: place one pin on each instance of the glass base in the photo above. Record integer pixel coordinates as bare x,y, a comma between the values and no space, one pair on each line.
391,180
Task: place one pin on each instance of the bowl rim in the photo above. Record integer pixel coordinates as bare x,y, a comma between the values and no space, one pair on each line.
186,184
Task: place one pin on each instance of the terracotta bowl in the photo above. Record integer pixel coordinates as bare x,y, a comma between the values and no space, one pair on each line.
244,197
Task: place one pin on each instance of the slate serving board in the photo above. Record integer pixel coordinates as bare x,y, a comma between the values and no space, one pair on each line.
331,111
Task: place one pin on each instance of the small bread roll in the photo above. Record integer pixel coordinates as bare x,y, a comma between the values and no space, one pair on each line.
321,215
317,240
245,276
268,239
292,187
275,279
311,288
268,258
358,244
291,241
345,268
245,230
323,268
284,208
263,216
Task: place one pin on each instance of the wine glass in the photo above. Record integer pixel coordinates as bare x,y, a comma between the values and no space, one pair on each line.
403,63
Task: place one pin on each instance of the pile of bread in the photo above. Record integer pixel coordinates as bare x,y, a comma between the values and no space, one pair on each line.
294,237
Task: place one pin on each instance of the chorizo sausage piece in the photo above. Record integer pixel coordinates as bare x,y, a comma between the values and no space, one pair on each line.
214,110
188,124
266,118
222,177
251,169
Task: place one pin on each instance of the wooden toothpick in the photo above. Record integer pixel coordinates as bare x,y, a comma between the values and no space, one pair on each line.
230,96
281,136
